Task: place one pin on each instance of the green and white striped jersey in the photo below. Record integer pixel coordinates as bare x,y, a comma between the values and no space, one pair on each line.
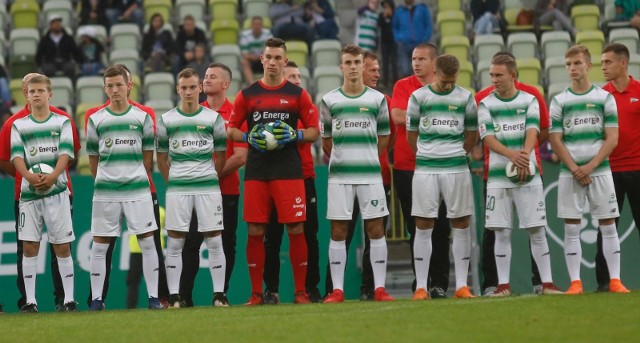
508,120
441,120
354,124
119,139
367,30
42,142
582,118
190,140
250,44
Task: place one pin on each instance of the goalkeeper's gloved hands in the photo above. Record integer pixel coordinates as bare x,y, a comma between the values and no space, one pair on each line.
284,133
256,138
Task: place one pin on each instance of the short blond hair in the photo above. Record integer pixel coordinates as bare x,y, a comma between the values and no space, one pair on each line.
39,79
579,49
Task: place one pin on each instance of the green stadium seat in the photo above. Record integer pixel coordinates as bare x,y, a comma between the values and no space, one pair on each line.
555,71
465,76
593,40
160,106
90,89
125,36
482,74
297,51
555,89
163,7
128,57
555,43
159,86
529,70
225,31
457,46
258,8
510,15
24,42
305,77
585,17
266,23
326,52
627,36
25,14
449,5
485,46
63,8
634,65
523,44
236,84
135,89
62,89
15,87
196,8
595,73
451,23
224,9
227,54
81,112
327,78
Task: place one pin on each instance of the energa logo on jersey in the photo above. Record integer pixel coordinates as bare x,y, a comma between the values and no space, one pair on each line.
496,127
338,124
33,151
425,122
175,144
588,225
108,142
567,123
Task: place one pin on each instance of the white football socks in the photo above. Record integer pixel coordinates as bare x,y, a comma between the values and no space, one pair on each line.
422,255
337,261
379,261
98,269
29,274
540,252
65,267
572,250
173,263
149,265
461,247
611,249
502,251
217,262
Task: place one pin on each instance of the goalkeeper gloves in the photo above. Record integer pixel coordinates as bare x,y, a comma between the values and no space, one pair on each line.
256,138
285,133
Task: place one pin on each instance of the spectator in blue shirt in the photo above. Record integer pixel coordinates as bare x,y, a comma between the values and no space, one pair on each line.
411,26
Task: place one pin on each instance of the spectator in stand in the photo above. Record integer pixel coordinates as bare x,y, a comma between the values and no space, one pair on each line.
5,92
288,22
486,16
367,26
387,44
186,40
554,12
411,26
157,45
322,18
628,10
57,51
93,13
92,49
251,45
124,11
200,62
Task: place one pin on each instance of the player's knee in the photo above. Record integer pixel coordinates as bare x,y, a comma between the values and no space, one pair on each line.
460,223
62,250
537,234
503,235
572,231
295,229
608,230
30,249
609,221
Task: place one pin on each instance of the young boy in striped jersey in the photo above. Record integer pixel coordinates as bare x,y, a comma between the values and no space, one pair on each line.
355,128
441,128
120,144
584,132
509,122
189,137
44,138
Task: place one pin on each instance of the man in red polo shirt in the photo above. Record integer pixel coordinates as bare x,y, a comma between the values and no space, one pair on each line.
404,163
215,85
163,289
5,164
488,263
625,159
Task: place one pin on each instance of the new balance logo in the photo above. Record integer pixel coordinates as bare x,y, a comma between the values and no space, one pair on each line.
156,269
95,274
217,267
545,254
171,267
466,258
303,264
616,252
252,265
380,262
418,259
501,256
336,263
572,253
28,276
68,276
149,224
70,233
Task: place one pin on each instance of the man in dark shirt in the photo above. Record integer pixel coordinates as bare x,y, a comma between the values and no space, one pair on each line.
57,50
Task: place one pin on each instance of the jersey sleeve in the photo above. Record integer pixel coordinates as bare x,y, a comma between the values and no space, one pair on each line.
325,120
66,145
92,138
219,135
148,135
383,119
471,115
308,112
413,114
610,112
239,113
533,116
555,115
162,144
485,123
17,145
5,142
399,98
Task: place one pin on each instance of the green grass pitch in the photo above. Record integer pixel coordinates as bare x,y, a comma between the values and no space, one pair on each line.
587,318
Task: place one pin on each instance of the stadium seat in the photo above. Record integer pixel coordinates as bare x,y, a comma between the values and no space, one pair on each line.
555,43
236,83
457,46
266,23
4,21
593,40
90,89
23,42
125,36
305,78
159,86
326,52
529,70
227,54
449,5
318,98
523,44
465,76
541,90
256,7
63,8
194,7
128,57
485,46
327,78
451,23
634,65
160,106
83,166
225,31
595,73
62,89
555,71
163,7
297,51
25,14
626,36
482,74
100,30
555,89
135,89
585,17
224,9
513,4
510,15
15,87
81,112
